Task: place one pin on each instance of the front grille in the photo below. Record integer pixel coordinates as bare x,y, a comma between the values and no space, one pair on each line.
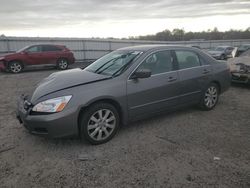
240,78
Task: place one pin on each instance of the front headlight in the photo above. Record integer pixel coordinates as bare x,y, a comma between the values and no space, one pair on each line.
52,105
234,67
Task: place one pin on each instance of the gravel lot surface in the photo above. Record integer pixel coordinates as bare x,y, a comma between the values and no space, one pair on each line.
188,148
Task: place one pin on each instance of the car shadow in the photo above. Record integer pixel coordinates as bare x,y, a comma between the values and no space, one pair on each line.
240,85
49,68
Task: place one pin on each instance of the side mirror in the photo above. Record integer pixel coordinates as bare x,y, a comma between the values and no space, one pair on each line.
143,73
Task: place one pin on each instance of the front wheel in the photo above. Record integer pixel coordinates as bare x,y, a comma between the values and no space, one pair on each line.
210,97
15,67
99,123
223,57
62,64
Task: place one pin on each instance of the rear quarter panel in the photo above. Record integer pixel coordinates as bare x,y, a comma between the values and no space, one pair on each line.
222,75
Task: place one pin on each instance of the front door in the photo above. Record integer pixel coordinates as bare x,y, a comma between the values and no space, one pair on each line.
34,55
156,93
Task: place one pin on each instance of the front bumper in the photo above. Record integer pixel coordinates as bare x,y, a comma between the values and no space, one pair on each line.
239,77
2,66
56,125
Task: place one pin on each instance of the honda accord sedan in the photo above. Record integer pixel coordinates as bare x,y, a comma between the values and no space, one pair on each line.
123,86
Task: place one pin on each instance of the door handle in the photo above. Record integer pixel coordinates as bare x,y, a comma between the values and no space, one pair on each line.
205,71
171,79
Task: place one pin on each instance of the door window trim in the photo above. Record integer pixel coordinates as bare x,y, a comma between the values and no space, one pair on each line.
161,50
30,52
177,63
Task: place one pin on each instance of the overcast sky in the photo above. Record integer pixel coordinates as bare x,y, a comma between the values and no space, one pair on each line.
119,18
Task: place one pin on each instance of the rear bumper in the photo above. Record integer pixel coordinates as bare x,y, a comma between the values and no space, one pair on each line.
72,60
57,125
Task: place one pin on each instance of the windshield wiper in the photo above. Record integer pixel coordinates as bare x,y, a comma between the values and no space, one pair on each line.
98,70
123,67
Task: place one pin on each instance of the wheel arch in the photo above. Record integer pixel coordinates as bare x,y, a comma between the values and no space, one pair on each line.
61,57
13,60
111,101
218,84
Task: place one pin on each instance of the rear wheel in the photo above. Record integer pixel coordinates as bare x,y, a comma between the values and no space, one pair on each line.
99,123
62,64
15,67
210,97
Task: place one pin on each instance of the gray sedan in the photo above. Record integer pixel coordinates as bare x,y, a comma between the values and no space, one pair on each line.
123,86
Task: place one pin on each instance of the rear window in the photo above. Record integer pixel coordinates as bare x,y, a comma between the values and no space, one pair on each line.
49,48
187,59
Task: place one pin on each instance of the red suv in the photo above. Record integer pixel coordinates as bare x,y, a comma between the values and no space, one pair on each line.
44,54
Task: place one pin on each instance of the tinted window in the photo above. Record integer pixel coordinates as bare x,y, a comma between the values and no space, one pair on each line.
229,49
187,59
158,62
34,49
49,48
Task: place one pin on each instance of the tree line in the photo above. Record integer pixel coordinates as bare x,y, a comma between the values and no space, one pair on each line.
181,35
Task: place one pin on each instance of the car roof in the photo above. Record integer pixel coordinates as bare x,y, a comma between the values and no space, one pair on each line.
224,46
152,47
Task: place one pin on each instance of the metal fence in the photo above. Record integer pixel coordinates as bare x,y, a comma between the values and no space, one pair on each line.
91,49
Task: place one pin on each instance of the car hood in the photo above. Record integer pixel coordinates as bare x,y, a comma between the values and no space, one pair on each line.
243,60
239,64
6,55
64,80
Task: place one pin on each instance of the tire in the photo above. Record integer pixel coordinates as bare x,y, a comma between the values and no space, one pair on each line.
15,67
99,123
222,57
62,64
210,97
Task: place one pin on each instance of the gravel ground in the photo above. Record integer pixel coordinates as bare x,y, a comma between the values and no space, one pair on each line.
188,148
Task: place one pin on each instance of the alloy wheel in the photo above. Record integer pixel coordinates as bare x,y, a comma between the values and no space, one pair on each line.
15,67
101,124
211,97
63,64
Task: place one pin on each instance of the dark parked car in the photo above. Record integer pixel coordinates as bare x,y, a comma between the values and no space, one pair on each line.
221,52
243,48
126,85
37,55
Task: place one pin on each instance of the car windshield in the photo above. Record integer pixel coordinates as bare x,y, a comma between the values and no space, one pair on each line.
114,63
246,53
22,49
244,47
219,49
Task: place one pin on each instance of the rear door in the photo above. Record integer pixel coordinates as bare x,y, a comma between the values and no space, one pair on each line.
51,54
194,75
156,93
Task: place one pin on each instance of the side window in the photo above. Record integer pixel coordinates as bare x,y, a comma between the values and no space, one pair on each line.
158,62
34,49
187,59
49,48
229,50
